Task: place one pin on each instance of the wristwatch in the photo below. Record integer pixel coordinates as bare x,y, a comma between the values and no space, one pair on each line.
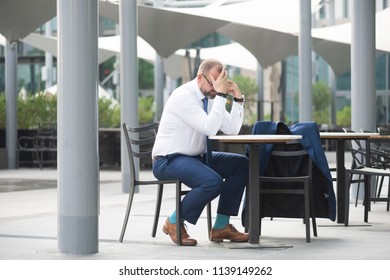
242,99
221,94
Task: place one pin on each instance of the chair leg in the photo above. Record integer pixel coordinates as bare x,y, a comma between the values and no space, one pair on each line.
129,203
37,155
313,211
357,191
246,214
209,218
157,210
388,196
178,214
346,194
260,207
367,200
378,186
307,211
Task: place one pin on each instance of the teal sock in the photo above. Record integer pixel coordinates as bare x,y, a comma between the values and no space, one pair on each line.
221,221
172,218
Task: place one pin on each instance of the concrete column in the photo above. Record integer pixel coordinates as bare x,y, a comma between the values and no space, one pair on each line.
11,63
158,78
332,77
363,89
158,87
49,58
260,93
128,79
304,49
78,164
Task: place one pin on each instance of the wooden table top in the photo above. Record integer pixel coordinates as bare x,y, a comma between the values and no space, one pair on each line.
347,135
255,138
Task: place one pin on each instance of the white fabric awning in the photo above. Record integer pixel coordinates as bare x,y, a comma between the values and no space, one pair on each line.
18,18
268,29
49,44
333,43
110,45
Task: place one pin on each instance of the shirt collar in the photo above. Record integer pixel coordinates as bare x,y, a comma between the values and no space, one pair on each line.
199,93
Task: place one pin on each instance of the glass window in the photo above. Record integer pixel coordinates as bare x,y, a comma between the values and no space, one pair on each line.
388,71
342,101
343,82
345,8
381,72
322,12
382,105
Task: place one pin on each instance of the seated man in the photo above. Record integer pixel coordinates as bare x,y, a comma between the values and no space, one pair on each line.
194,111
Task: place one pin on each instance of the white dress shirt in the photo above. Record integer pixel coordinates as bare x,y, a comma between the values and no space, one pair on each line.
184,123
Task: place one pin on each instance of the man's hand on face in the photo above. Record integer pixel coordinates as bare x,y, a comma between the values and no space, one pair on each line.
220,84
233,89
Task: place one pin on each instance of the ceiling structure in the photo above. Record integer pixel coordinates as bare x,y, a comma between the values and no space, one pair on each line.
267,29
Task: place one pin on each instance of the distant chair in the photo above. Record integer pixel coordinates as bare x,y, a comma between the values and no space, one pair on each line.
375,167
367,172
358,160
42,146
140,142
385,148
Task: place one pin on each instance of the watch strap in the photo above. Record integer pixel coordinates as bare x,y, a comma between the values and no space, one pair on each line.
242,99
221,94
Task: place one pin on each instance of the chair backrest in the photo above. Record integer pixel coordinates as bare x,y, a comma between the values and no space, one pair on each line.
357,150
139,141
289,160
383,130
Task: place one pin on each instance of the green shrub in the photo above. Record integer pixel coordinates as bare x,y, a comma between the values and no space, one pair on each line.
343,117
145,109
39,108
36,109
109,113
249,88
322,99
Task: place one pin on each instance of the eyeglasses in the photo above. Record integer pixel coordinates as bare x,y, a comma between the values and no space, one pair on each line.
210,83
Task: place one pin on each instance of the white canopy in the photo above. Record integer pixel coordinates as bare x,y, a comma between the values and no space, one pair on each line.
333,43
49,44
268,29
110,45
18,18
102,92
165,31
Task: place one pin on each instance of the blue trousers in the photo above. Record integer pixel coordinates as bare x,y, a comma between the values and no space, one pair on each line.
226,175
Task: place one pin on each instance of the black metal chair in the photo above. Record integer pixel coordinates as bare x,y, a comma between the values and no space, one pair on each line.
367,172
379,160
376,165
140,141
289,172
358,161
384,148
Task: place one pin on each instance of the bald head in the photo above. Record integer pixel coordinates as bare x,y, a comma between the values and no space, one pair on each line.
209,64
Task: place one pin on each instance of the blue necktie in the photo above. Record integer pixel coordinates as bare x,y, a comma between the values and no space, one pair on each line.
208,143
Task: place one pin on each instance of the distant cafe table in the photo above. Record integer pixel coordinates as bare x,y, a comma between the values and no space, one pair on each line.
253,142
340,138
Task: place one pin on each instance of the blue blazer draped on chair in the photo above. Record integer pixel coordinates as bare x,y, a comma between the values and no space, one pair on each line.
325,199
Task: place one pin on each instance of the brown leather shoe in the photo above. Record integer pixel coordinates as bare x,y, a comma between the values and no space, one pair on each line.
230,233
170,229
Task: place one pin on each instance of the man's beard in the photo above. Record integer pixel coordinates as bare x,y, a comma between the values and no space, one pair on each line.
210,94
